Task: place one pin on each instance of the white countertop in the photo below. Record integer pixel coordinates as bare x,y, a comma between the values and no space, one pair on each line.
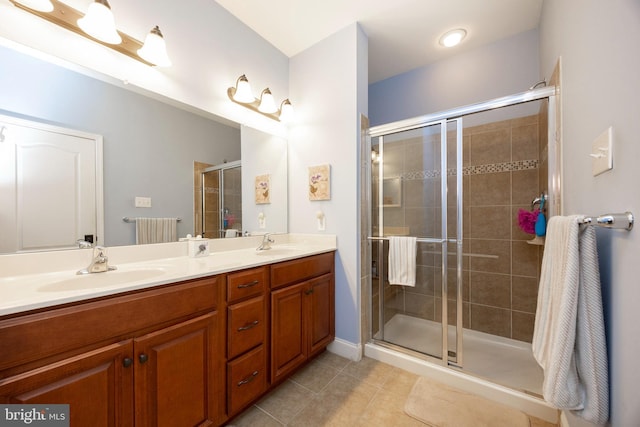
32,281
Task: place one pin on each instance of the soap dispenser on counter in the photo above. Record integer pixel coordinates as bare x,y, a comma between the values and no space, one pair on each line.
198,247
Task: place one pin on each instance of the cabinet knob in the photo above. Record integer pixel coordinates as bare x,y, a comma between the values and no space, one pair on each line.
127,361
308,291
248,379
143,358
249,326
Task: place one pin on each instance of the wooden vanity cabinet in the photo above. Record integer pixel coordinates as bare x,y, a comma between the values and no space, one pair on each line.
138,359
247,330
302,312
192,353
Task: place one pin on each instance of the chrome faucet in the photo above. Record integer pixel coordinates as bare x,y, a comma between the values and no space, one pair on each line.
266,243
100,262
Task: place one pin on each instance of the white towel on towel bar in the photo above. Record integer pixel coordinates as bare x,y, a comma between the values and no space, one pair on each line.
569,337
156,230
402,260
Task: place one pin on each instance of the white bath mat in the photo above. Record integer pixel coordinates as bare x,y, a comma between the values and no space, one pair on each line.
438,405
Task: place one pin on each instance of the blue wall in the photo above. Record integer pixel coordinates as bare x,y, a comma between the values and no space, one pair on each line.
502,68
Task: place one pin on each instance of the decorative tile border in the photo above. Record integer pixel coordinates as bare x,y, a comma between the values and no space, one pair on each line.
519,165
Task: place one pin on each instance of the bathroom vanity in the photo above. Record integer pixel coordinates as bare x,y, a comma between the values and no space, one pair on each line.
176,351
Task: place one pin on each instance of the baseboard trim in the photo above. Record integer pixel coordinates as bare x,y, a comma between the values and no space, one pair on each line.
346,349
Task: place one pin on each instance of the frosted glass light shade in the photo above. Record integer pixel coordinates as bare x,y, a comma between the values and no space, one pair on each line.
39,5
286,111
243,91
267,103
99,23
453,37
154,49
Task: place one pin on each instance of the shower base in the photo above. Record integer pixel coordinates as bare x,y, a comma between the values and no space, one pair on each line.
494,367
497,359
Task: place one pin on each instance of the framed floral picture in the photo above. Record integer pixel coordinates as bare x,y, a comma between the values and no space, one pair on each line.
263,182
320,182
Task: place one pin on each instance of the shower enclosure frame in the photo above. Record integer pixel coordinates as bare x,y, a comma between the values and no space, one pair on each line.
443,118
221,169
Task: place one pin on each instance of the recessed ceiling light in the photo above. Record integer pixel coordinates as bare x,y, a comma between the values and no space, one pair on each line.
453,37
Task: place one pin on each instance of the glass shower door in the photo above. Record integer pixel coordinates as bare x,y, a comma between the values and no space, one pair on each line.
222,200
415,192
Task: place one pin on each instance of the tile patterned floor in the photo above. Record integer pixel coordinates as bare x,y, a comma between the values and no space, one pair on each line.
333,391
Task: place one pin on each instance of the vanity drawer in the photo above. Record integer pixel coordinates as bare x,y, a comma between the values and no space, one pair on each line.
247,283
246,379
246,326
297,270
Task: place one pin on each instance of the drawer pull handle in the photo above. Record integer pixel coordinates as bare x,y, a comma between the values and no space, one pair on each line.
248,285
127,361
248,379
143,358
308,291
249,326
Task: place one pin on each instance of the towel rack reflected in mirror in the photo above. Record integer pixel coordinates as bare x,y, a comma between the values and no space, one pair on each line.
127,219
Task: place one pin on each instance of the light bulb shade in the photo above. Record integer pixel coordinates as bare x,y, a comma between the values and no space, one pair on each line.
39,5
243,91
286,111
99,23
267,103
154,49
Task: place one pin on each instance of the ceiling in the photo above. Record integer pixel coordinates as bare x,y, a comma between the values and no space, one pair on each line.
403,34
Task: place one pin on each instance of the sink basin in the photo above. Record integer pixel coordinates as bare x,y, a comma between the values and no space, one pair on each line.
102,280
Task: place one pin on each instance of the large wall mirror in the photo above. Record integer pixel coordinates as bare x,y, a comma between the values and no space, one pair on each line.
150,148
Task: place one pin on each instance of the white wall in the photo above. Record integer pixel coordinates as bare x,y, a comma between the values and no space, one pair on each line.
327,82
600,47
264,154
498,69
209,48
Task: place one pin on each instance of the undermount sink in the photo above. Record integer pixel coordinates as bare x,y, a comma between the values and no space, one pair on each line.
102,280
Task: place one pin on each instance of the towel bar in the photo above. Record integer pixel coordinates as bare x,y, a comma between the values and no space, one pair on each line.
127,219
619,221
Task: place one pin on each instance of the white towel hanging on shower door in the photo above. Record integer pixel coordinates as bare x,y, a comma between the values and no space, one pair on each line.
402,260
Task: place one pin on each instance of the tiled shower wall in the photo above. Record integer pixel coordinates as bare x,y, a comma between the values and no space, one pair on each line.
500,269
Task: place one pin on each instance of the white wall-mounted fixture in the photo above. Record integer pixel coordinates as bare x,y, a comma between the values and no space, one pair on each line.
321,220
241,94
142,202
453,37
602,152
262,220
98,25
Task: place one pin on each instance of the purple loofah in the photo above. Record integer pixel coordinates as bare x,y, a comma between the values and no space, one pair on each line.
527,220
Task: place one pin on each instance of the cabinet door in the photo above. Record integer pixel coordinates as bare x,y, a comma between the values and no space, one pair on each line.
98,386
320,300
288,339
174,374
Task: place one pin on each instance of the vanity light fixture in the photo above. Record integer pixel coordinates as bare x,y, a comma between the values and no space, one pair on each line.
98,25
286,111
154,49
241,94
453,37
267,104
39,5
